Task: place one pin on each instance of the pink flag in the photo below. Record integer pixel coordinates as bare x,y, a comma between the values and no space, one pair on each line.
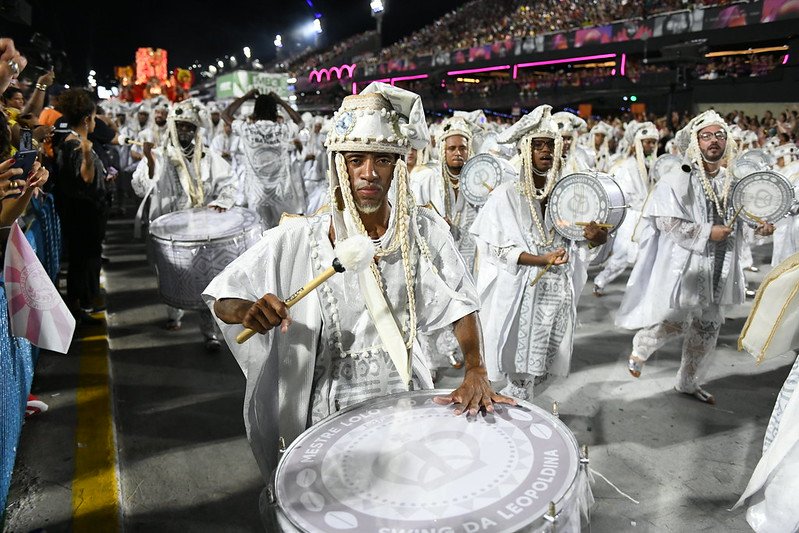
35,308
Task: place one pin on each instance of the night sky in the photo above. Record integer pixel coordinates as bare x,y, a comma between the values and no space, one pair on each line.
198,30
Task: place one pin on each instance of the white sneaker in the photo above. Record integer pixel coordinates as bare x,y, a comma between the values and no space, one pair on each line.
515,391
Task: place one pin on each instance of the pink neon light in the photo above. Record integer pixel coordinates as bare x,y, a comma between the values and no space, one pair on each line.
785,59
623,63
558,61
354,88
407,78
476,70
328,72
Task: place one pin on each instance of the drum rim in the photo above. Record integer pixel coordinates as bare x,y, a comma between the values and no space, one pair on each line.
568,491
596,175
237,209
183,243
769,218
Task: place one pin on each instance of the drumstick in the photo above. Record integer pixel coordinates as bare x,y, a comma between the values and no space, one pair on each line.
489,187
755,217
729,225
353,254
599,224
541,273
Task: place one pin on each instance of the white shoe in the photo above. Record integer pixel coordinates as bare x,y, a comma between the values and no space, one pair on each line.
515,391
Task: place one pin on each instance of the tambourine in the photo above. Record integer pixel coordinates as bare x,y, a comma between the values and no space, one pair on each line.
580,198
481,175
763,196
664,165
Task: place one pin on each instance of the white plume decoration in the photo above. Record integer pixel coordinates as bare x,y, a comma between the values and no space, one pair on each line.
355,253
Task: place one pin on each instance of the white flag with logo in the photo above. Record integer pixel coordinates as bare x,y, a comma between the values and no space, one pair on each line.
35,308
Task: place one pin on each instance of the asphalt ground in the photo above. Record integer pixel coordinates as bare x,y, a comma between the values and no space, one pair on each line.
158,435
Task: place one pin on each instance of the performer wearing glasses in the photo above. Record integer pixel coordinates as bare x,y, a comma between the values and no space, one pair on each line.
689,267
354,338
531,330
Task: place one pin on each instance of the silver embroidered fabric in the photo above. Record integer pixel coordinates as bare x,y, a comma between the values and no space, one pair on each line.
788,388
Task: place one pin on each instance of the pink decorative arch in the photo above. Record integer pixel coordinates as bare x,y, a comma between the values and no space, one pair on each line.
328,73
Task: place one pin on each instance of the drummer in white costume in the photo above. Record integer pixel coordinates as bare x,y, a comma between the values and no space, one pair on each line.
333,351
268,184
442,190
180,175
688,268
632,175
598,150
531,330
575,158
786,234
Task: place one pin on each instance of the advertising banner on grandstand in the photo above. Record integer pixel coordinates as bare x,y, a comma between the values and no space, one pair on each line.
593,36
734,16
774,10
632,30
677,23
239,82
559,41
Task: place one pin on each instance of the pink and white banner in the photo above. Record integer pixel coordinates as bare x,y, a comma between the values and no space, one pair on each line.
35,308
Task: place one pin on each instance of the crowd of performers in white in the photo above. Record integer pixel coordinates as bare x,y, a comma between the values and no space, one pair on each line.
469,215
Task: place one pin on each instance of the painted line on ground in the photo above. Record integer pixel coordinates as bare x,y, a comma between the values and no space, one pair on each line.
95,485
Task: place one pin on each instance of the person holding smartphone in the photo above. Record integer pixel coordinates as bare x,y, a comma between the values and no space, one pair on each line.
81,201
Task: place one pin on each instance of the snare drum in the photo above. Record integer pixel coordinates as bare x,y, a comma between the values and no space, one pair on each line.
189,248
404,463
482,174
584,197
764,196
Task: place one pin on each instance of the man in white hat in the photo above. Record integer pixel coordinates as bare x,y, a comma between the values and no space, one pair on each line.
180,174
269,186
575,158
786,234
689,269
632,175
354,339
315,168
442,191
531,330
599,150
214,126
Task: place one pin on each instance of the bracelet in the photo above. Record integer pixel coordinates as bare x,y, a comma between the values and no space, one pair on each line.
42,87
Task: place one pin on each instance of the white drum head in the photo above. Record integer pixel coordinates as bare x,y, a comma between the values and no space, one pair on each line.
203,224
581,198
764,195
402,463
664,165
481,175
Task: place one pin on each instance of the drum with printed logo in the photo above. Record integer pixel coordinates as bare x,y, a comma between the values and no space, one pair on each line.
189,248
405,463
584,197
482,174
763,196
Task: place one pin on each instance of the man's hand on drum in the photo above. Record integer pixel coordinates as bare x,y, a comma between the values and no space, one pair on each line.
474,394
595,234
217,208
765,229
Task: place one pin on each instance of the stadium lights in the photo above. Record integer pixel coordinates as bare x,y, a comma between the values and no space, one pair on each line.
247,52
748,51
233,61
291,81
220,63
377,6
317,25
278,41
558,61
468,80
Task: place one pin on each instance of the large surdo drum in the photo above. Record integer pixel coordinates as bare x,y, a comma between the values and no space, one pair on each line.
404,463
584,197
189,248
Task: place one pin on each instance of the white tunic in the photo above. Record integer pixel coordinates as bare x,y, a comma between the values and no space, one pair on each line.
170,190
526,329
429,189
678,269
331,355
